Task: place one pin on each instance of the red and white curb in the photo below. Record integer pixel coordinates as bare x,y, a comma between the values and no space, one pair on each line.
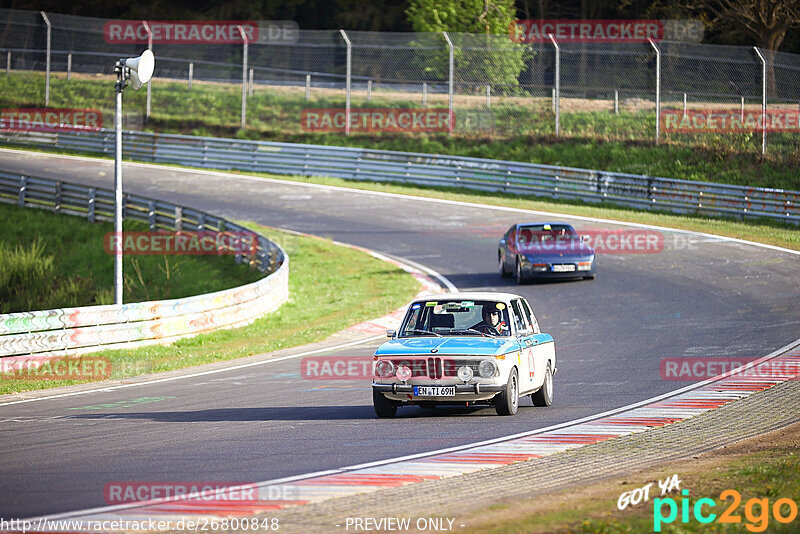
673,407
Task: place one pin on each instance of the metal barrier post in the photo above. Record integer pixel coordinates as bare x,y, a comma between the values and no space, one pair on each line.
557,88
488,96
742,118
658,88
149,47
451,65
684,104
250,84
347,82
244,76
616,101
69,66
47,64
8,63
763,100
308,87
369,90
191,74
424,94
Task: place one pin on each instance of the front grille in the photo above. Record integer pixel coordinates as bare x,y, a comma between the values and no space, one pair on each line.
436,367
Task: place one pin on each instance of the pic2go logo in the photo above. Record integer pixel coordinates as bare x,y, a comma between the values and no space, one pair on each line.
756,511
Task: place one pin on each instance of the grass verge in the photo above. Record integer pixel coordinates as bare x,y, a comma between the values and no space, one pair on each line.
331,287
519,129
765,467
50,261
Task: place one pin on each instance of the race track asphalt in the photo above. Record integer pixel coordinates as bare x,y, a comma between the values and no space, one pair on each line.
699,297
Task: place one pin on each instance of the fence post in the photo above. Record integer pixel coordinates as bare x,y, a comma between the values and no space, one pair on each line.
8,63
488,96
369,90
149,89
47,62
69,66
424,94
347,82
658,88
451,65
250,84
308,87
557,88
763,100
684,104
616,101
191,74
245,42
742,118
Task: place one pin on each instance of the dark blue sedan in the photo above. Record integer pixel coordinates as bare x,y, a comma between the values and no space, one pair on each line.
545,250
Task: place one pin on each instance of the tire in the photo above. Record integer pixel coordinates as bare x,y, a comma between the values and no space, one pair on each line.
503,272
544,397
384,408
518,273
507,402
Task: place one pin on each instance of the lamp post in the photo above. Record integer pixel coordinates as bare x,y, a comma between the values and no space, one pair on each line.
137,70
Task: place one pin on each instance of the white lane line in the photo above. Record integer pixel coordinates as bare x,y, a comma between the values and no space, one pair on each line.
407,197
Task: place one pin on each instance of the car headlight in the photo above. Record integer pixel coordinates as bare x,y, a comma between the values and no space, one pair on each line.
465,373
487,369
585,266
384,369
403,373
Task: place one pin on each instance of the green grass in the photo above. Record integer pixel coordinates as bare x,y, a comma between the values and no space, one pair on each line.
52,261
507,130
331,287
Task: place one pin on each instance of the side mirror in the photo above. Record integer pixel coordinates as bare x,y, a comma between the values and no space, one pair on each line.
390,333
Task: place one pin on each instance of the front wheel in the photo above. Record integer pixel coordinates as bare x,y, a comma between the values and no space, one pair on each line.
518,273
503,272
544,397
507,402
384,408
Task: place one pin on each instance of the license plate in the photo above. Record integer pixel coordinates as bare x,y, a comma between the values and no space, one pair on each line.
563,268
435,391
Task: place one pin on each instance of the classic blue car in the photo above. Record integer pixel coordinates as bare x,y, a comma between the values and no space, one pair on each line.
464,349
545,250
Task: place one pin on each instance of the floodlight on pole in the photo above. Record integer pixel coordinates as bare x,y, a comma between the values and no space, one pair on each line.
137,71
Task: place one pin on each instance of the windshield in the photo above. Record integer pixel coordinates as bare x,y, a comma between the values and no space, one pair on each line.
547,236
456,318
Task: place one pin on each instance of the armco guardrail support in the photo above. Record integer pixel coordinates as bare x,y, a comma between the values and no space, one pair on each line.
763,100
47,61
149,47
244,76
450,68
347,82
557,88
658,88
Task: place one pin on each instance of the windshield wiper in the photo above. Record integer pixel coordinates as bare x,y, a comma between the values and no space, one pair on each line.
424,332
484,334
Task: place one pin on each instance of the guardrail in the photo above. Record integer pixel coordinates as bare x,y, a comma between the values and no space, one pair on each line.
84,329
644,192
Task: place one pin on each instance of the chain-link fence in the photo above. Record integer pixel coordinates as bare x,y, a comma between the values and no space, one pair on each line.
489,84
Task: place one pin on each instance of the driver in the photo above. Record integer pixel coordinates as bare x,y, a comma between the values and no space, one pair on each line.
491,323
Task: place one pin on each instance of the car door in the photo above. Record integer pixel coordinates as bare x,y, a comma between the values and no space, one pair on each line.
542,346
527,358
